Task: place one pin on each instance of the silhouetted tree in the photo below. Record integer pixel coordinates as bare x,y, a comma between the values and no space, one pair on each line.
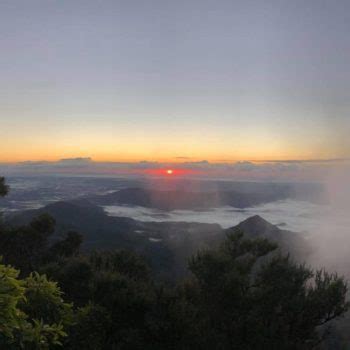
91,328
246,303
67,247
25,247
75,277
3,187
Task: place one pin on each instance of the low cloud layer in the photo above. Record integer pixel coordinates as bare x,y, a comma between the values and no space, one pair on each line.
295,170
301,217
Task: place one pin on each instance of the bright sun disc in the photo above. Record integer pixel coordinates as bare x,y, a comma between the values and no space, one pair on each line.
169,171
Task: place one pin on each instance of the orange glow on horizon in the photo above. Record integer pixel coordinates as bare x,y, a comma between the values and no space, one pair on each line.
173,172
216,160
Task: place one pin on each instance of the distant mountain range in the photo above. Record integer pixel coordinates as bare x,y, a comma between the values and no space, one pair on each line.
34,192
167,245
172,200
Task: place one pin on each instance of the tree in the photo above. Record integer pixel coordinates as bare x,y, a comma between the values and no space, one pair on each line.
11,292
44,301
25,247
67,247
28,247
3,187
248,298
123,262
75,276
22,324
90,330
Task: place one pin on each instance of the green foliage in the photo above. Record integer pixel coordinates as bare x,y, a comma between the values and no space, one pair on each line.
23,306
11,293
43,301
40,336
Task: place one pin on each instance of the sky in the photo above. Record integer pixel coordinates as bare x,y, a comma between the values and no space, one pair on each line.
174,81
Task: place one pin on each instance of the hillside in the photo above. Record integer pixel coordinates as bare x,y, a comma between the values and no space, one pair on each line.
167,245
288,241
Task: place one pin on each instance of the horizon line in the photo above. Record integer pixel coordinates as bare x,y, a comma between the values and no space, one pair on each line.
185,160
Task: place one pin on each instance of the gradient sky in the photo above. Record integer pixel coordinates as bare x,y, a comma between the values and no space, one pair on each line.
156,80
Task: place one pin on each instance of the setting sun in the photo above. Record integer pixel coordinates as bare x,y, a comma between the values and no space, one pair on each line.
169,171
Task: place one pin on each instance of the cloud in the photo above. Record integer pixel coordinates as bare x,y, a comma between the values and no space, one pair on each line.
312,170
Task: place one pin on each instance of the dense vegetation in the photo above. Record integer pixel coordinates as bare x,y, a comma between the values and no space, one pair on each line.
242,294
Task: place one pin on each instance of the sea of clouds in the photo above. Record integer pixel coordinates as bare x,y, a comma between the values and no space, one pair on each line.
298,216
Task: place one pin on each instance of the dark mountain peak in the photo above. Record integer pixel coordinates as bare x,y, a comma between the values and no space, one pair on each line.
257,220
257,226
